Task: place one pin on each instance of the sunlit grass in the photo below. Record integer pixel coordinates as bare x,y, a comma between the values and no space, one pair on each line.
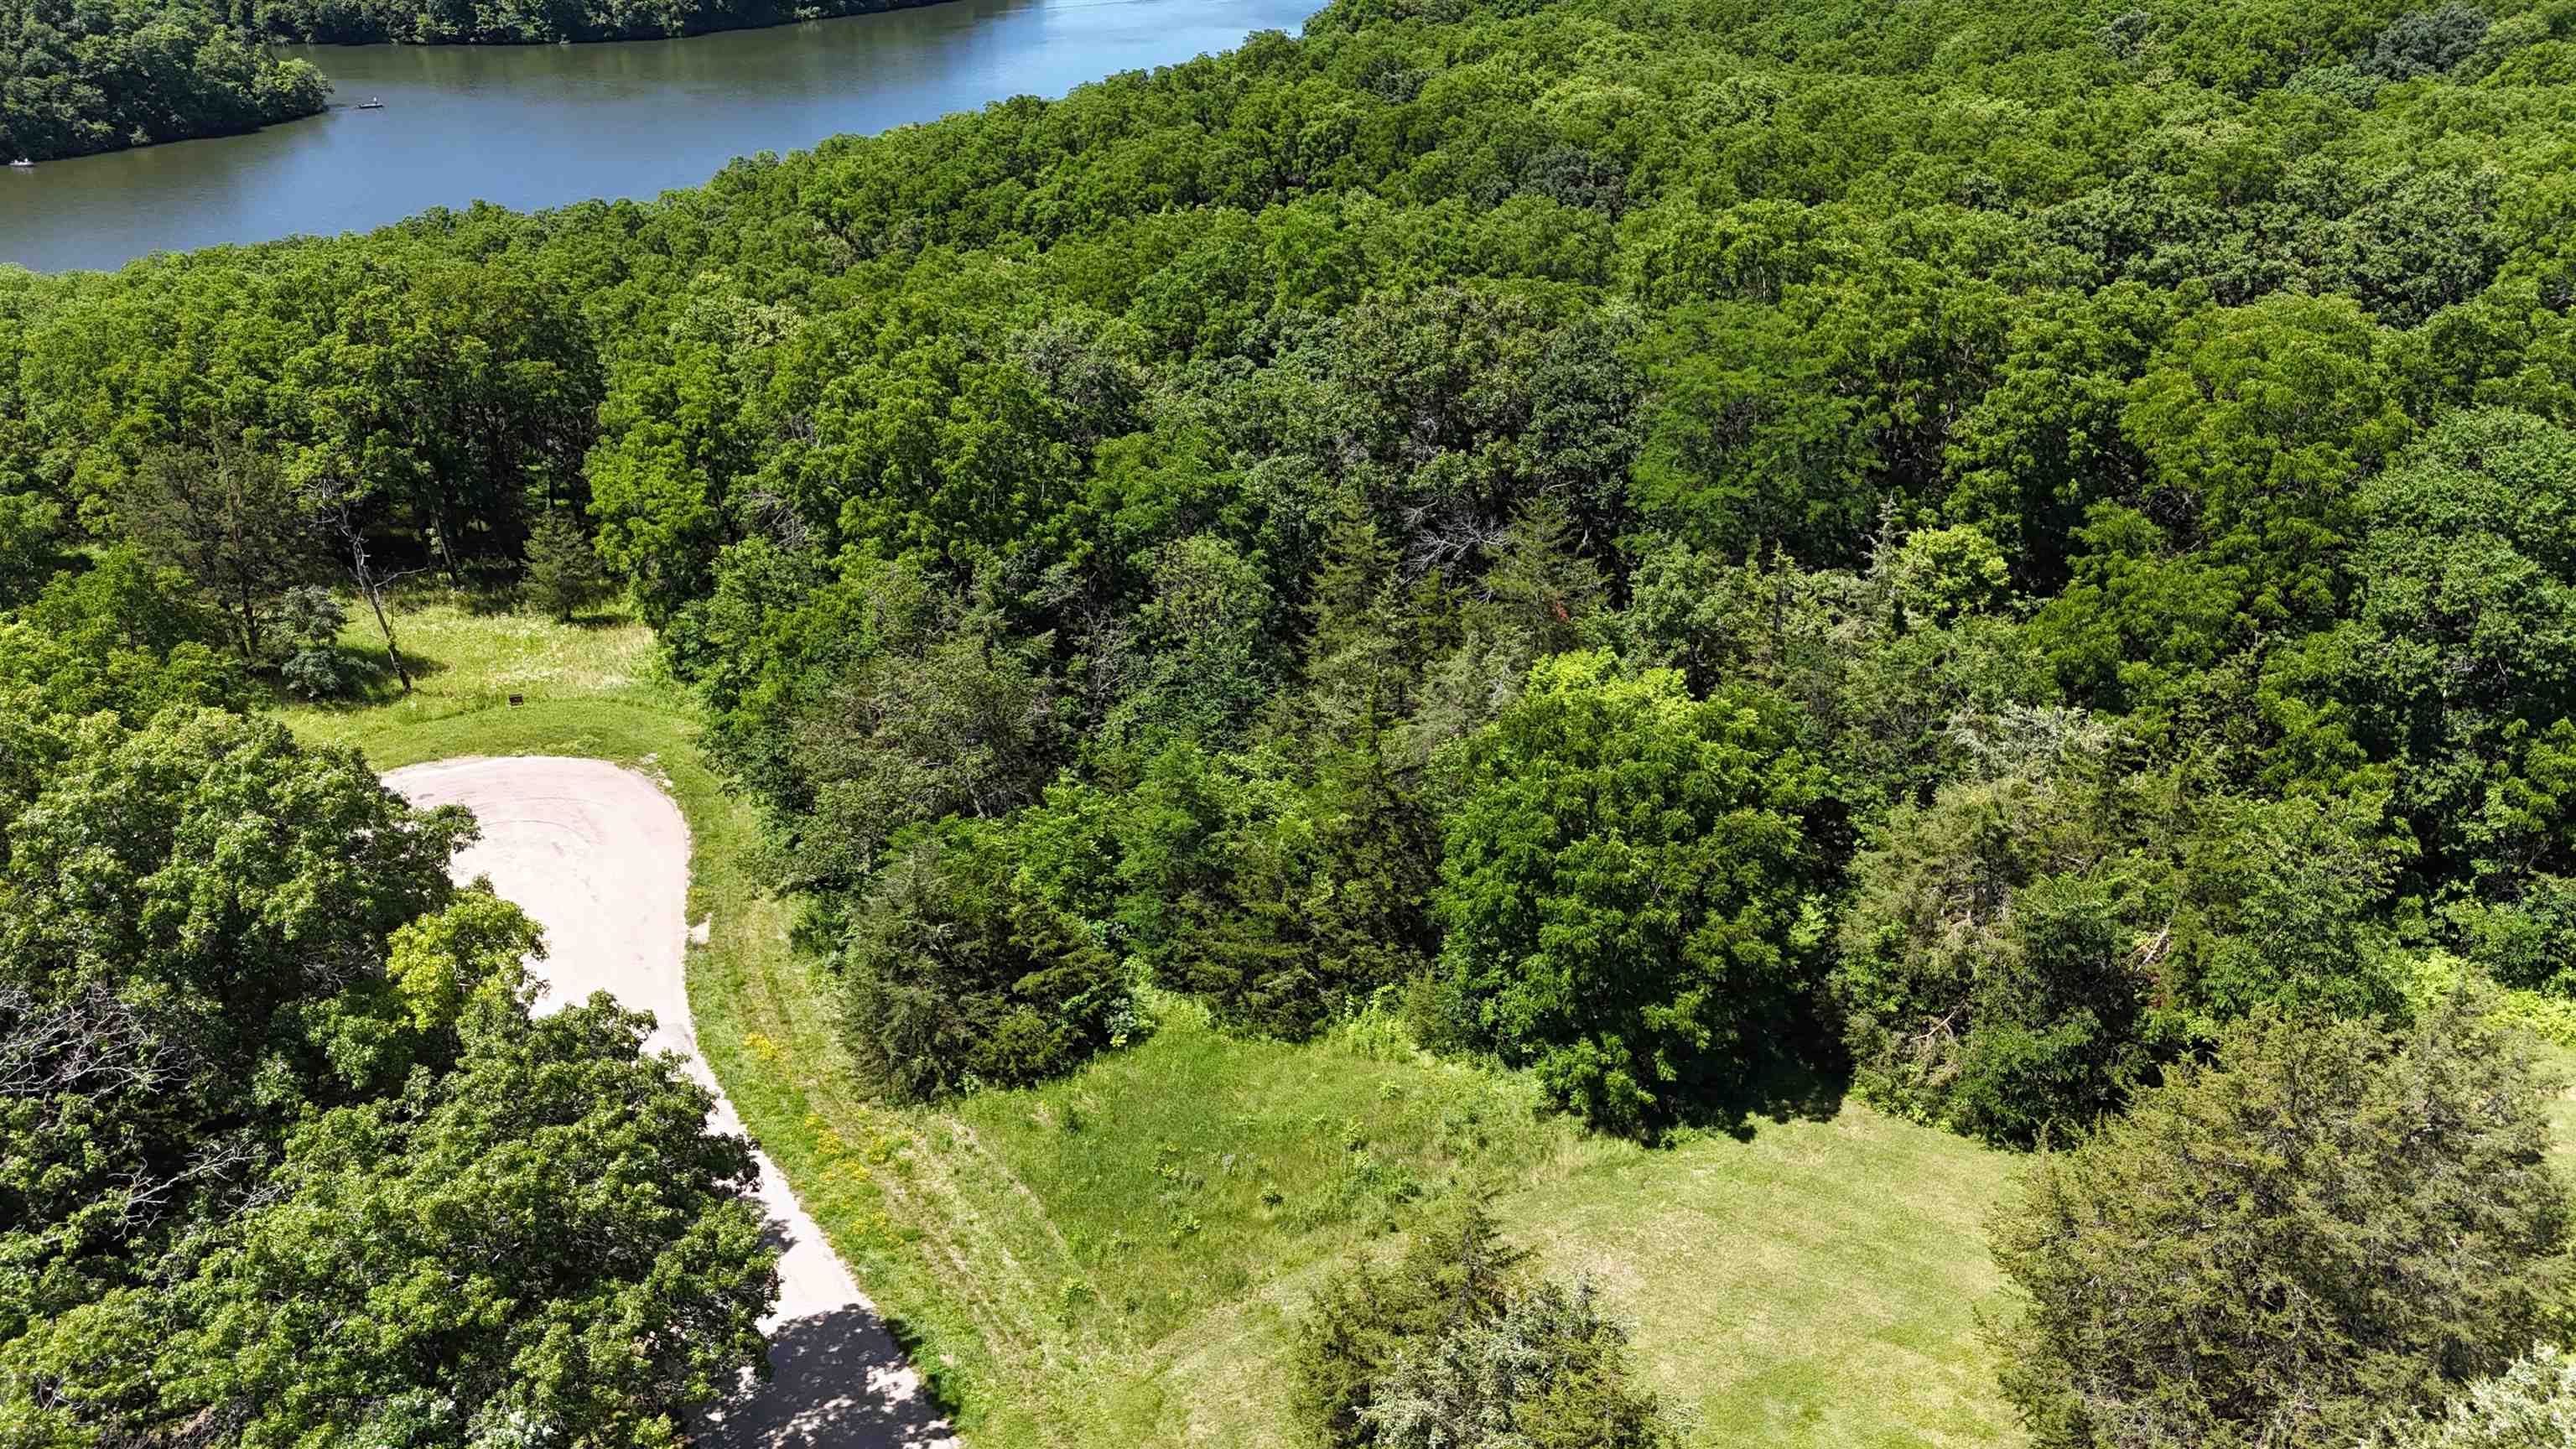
469,655
1814,1285
1116,1259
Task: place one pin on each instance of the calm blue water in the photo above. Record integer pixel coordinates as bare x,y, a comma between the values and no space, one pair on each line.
537,126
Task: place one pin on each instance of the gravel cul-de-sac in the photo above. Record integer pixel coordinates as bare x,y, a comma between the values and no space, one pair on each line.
600,857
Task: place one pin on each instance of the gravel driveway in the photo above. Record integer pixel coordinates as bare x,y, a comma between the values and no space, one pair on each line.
600,857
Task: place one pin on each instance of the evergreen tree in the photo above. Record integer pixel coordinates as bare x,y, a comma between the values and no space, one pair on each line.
564,573
2324,1227
1356,665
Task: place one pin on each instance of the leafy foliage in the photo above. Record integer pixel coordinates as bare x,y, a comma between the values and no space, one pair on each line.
1624,881
1984,542
286,1152
83,77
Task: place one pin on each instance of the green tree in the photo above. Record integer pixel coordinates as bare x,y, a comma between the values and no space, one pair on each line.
618,1268
310,618
1551,1372
282,1146
564,575
95,77
953,975
1208,637
1456,1344
933,709
1624,884
1457,1266
120,635
1278,893
1989,976
2323,1227
229,519
30,545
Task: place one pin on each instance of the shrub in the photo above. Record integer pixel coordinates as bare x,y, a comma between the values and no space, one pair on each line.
1457,1346
2324,1227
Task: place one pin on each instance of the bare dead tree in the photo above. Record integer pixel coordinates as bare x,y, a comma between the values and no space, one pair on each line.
146,1193
335,504
95,1043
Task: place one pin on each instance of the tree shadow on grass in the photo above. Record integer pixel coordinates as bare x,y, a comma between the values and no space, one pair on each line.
832,1385
1780,1090
481,597
371,676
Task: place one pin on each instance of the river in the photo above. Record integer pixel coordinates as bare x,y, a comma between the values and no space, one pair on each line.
538,126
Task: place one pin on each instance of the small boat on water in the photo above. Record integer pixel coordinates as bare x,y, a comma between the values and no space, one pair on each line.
22,164
369,105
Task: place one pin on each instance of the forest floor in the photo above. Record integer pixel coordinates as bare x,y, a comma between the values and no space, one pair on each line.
1117,1258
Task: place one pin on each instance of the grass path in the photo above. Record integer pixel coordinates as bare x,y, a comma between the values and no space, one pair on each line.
1115,1259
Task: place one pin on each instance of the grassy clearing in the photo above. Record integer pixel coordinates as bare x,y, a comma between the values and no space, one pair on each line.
468,658
1115,1259
1815,1283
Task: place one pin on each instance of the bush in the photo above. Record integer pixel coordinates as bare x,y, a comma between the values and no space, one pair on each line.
954,977
315,674
2325,1227
1456,1347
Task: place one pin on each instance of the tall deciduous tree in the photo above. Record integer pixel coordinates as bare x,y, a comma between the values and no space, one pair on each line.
229,518
543,1241
1623,884
284,1155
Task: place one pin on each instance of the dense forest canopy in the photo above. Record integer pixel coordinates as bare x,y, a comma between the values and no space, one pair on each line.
78,76
2004,547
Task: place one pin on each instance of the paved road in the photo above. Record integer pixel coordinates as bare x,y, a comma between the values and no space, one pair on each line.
600,857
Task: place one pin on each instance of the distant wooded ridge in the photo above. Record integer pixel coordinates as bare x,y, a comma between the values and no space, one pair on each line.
485,22
78,79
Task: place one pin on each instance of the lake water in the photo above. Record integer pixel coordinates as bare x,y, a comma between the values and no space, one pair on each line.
537,126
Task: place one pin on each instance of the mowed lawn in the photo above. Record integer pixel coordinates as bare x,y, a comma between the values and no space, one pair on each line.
1815,1284
1117,1258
